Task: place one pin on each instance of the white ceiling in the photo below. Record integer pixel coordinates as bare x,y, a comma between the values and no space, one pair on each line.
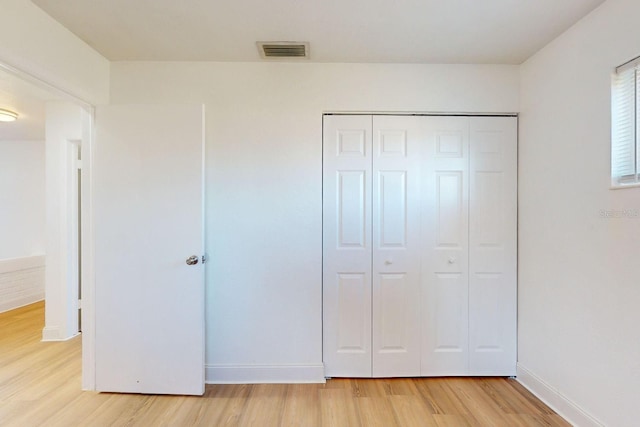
394,31
391,31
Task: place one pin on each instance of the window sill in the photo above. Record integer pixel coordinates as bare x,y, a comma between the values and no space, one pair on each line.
619,186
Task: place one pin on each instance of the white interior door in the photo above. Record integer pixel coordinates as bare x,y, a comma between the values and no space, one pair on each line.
493,246
396,246
148,210
347,246
445,248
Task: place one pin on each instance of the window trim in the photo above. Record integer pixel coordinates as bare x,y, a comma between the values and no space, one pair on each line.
625,125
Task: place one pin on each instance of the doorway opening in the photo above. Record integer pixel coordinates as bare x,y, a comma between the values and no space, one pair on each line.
59,124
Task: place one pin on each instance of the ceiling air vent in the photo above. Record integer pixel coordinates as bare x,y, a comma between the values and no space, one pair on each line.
284,50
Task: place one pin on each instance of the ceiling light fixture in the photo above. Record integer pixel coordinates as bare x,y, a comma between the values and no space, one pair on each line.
7,115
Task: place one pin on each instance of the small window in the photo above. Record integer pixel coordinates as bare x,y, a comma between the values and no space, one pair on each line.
625,115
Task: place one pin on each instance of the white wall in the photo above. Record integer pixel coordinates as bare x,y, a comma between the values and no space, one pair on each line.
22,219
579,281
21,198
263,186
33,42
64,127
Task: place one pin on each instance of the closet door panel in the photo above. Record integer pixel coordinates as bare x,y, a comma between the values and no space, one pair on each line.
444,254
347,246
392,201
396,267
492,246
351,209
353,333
393,306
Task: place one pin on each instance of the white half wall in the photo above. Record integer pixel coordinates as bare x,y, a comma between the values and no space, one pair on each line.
579,287
264,186
21,281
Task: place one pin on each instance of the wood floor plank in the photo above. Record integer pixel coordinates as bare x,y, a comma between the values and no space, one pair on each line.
492,388
40,386
118,410
264,406
402,387
80,408
375,412
337,408
225,411
228,390
302,406
541,420
411,411
519,395
439,397
454,420
481,407
368,387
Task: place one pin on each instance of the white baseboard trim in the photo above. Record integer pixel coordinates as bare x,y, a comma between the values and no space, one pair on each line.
565,407
262,374
52,333
20,302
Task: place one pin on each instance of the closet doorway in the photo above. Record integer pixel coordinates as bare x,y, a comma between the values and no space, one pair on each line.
419,245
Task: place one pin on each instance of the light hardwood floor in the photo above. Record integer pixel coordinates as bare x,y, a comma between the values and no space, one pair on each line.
40,386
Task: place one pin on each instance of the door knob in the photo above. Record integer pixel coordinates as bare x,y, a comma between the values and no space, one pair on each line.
192,260
388,262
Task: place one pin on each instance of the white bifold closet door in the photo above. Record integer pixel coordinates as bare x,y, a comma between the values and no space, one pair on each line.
347,246
419,246
396,246
469,253
445,246
493,216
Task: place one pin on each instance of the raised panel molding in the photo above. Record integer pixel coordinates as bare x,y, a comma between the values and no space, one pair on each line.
488,142
486,329
450,305
351,209
449,144
489,212
352,318
449,202
393,143
351,143
393,209
393,312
